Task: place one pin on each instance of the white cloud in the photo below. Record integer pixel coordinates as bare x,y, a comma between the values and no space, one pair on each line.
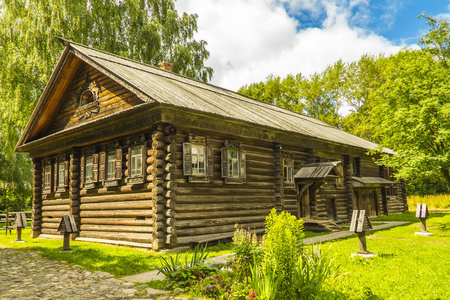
250,39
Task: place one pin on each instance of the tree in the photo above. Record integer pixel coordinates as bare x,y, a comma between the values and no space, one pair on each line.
277,91
412,114
150,31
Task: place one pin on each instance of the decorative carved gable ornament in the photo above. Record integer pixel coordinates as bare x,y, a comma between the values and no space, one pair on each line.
88,99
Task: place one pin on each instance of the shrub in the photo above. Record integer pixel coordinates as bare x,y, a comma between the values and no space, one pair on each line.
281,248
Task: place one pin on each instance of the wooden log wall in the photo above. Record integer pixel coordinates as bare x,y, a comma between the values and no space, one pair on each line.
112,98
279,191
369,168
348,186
125,212
36,222
212,209
74,187
54,206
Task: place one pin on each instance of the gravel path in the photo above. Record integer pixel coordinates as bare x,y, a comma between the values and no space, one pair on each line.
27,275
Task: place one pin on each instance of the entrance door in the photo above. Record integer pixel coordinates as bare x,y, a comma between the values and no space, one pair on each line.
331,209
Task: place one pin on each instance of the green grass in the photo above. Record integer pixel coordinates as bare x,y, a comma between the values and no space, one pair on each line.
433,202
117,260
407,266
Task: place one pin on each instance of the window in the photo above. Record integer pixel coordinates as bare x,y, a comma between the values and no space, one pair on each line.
198,160
288,175
61,174
89,171
136,162
111,166
48,177
233,163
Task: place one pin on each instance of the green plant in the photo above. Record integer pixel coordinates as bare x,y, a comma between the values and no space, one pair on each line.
281,248
248,251
265,283
312,269
199,256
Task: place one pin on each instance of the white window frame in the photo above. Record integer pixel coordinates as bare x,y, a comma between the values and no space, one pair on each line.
47,177
89,169
288,170
233,163
136,162
61,174
197,158
111,165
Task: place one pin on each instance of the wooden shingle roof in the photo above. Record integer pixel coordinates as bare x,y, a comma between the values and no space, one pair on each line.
154,85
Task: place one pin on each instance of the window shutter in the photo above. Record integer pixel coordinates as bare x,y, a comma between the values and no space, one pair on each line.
243,164
55,176
82,170
102,167
118,164
224,162
95,168
210,165
66,173
187,159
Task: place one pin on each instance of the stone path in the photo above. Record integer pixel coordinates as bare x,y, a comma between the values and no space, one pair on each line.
27,275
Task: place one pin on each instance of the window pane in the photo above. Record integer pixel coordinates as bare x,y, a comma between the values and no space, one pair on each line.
61,171
47,177
198,160
111,166
88,176
136,161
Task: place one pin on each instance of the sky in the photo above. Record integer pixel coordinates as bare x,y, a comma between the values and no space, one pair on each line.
249,40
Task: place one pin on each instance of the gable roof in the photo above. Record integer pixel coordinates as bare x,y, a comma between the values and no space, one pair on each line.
154,85
320,170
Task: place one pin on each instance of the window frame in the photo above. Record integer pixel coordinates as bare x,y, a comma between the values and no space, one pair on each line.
47,178
237,174
133,177
288,181
196,141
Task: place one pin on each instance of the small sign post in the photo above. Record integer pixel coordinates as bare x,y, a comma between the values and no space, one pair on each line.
19,223
422,214
67,226
360,224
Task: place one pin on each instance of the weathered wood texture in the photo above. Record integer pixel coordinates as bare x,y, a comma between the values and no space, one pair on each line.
112,98
369,168
36,221
212,209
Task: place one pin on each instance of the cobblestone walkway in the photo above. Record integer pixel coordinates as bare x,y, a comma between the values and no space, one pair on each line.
27,275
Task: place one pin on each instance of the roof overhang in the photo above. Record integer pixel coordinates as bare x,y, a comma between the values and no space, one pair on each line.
321,171
370,182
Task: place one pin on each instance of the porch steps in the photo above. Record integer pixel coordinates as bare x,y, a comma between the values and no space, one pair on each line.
320,225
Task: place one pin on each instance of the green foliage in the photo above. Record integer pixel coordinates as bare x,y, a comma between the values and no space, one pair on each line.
194,268
312,270
282,247
146,31
248,251
265,283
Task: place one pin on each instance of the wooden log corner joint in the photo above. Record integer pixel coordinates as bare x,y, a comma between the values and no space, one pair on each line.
66,227
422,214
360,224
20,222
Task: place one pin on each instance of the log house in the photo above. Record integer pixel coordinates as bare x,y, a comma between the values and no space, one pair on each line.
144,156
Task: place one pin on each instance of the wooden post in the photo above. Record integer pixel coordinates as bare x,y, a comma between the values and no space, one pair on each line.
19,235
423,225
362,243
36,219
6,222
66,243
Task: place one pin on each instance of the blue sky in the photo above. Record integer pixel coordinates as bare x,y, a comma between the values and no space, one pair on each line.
251,39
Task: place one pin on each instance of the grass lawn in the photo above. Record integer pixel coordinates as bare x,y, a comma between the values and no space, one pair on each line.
117,260
407,266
